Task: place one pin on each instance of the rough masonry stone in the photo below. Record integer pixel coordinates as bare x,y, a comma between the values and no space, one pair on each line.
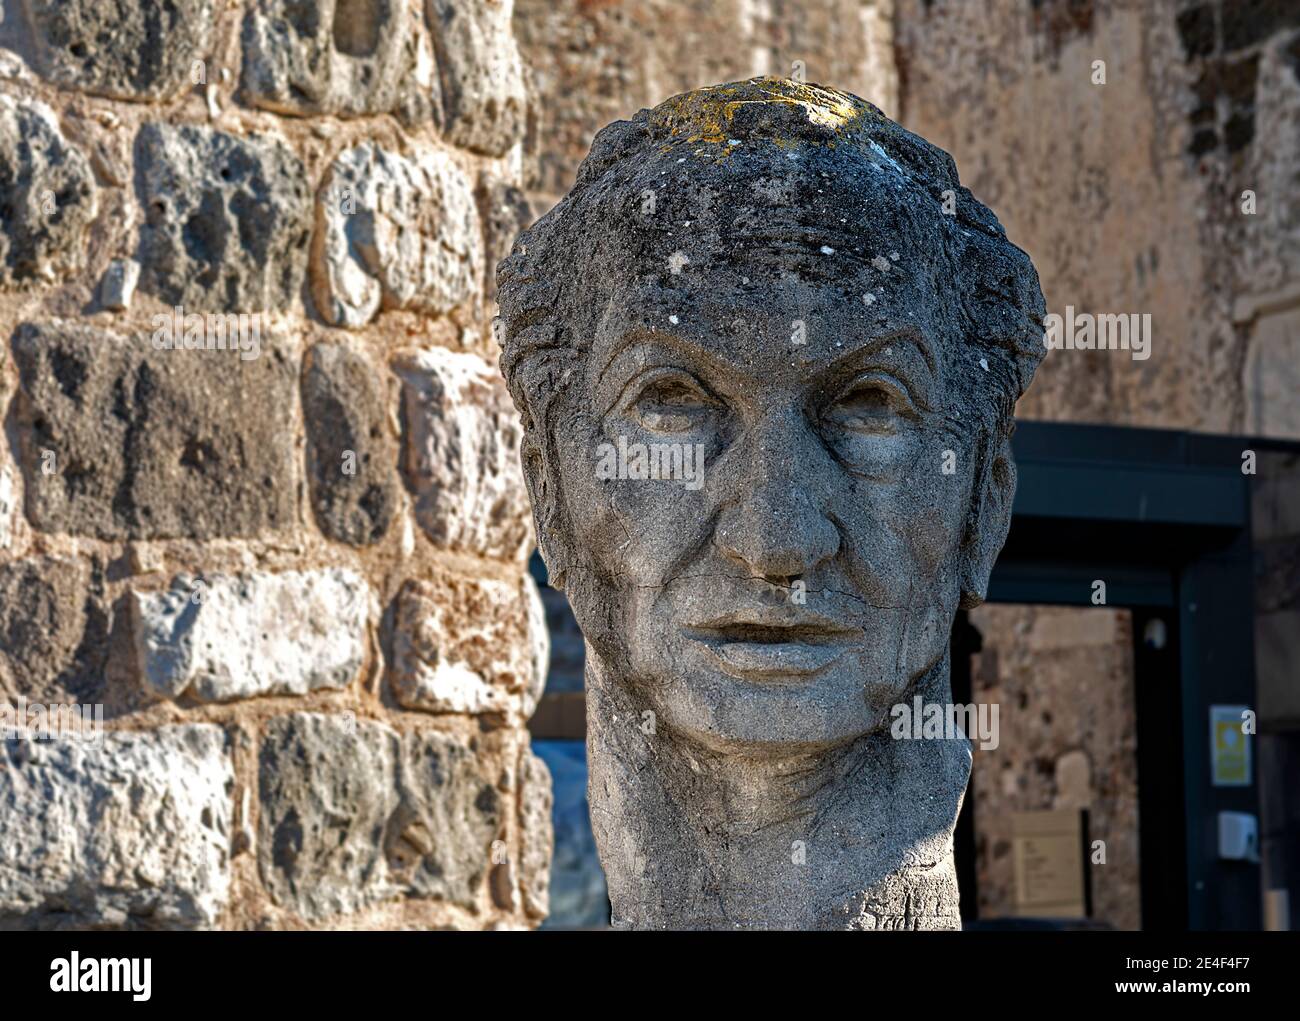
353,814
227,219
121,49
346,57
460,457
451,809
130,831
505,212
120,440
47,195
326,789
223,637
469,645
482,74
52,630
117,287
8,505
536,838
351,459
394,232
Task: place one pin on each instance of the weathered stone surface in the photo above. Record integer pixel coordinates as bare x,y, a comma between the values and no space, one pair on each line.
1270,376
469,645
47,615
326,792
505,211
482,76
346,57
8,505
461,455
535,802
47,194
52,630
351,459
117,287
125,50
128,831
119,440
226,219
352,814
503,885
736,433
226,637
394,232
451,809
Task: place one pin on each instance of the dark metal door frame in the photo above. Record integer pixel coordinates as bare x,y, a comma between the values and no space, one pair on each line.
1164,519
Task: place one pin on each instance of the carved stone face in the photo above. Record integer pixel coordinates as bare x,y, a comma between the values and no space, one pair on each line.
785,593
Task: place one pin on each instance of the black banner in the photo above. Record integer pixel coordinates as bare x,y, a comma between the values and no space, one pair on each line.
150,970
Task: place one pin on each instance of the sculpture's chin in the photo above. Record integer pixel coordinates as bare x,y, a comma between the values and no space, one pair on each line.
767,712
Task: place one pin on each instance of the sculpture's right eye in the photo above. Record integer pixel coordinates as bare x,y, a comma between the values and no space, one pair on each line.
667,401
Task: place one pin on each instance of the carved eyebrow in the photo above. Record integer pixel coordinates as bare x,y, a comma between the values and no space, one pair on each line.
673,341
907,334
920,389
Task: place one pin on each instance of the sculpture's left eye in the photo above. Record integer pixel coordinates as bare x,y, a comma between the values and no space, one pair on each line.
668,401
875,405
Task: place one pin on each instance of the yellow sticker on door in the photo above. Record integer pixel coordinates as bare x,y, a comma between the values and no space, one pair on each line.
1229,746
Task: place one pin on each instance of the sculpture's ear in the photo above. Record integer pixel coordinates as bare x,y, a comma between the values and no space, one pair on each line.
992,493
543,482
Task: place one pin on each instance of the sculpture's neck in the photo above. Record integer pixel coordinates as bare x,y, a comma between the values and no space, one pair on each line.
759,793
855,836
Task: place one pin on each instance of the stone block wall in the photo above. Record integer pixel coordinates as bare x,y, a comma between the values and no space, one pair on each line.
1062,678
1132,195
259,490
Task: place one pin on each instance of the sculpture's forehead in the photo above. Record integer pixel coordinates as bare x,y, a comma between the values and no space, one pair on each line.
830,240
739,310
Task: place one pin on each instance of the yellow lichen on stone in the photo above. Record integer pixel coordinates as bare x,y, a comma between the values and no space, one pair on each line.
707,115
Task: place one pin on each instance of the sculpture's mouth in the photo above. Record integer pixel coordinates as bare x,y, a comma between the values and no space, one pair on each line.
771,646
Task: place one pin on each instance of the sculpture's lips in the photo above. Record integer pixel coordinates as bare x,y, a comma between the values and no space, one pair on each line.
768,645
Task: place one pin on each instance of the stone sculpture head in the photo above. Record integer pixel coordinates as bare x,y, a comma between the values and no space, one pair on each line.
767,353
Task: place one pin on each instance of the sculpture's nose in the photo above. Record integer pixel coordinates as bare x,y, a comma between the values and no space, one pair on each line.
776,528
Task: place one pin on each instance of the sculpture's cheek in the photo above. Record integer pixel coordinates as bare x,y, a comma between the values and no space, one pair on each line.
635,504
902,559
933,534
663,530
